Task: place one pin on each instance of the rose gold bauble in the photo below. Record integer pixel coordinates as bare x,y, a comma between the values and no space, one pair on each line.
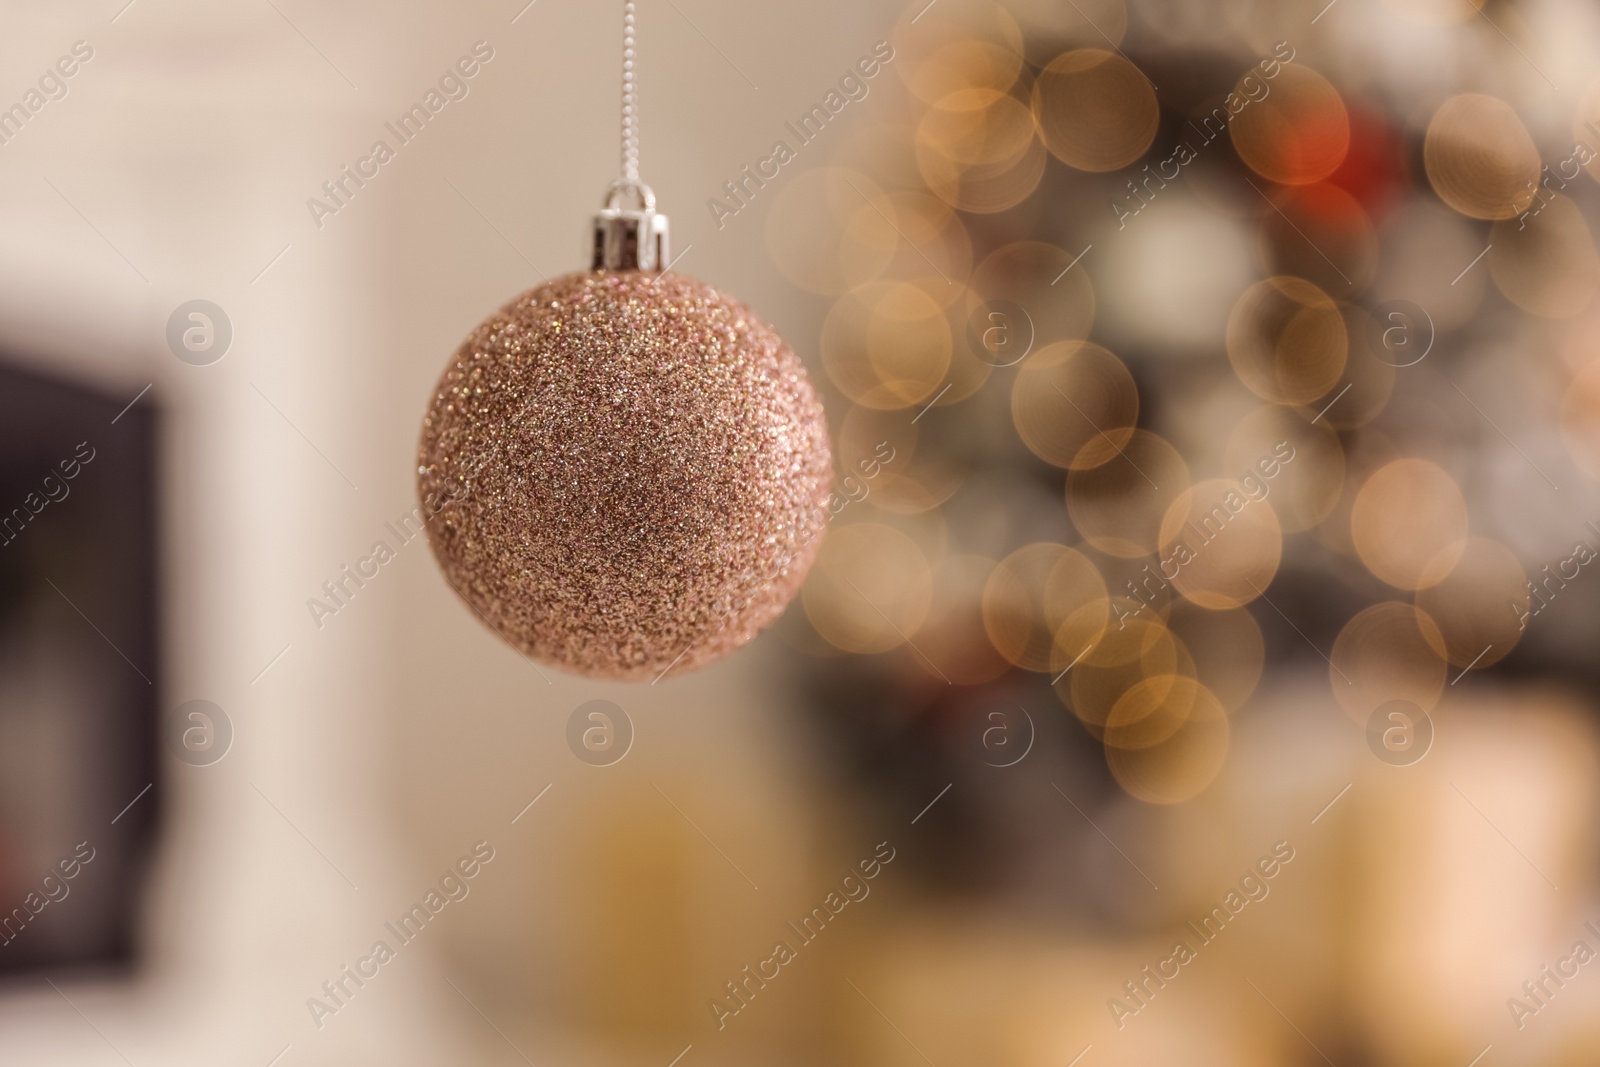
627,473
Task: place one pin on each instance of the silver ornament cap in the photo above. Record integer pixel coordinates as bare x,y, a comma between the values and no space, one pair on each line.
630,238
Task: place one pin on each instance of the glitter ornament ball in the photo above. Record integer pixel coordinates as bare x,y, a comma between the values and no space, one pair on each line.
626,473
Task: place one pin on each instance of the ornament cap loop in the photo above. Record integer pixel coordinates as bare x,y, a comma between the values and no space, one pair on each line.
630,238
614,192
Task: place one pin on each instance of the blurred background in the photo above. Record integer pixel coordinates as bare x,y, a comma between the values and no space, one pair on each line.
1200,662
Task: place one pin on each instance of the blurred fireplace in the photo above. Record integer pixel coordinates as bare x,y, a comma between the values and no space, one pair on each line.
80,677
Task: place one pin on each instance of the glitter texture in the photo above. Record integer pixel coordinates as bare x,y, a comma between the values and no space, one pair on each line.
628,473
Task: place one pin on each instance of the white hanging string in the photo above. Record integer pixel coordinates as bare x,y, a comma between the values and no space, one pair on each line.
630,104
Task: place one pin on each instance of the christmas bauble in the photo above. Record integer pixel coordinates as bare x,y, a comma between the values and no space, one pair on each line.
626,473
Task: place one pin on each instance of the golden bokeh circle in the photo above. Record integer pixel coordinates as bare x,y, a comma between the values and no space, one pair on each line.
1386,652
1580,419
1137,588
1220,548
1479,157
983,188
1154,709
1096,111
870,441
1480,608
1286,340
976,127
1033,594
1298,133
935,251
879,465
907,336
1074,404
886,345
971,363
1296,465
1136,648
869,589
1179,766
968,44
963,65
1036,277
1117,505
1545,261
1409,523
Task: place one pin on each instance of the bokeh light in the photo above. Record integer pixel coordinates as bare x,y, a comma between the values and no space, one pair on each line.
1409,523
1286,340
1139,646
1386,652
1220,544
1037,593
1580,419
870,588
1546,263
1096,111
1118,505
1480,158
1074,404
1320,233
1184,762
1295,132
1304,459
1480,608
1038,278
886,345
